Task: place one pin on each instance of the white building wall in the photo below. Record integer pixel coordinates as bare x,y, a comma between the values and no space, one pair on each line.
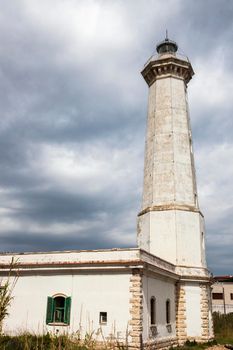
90,294
161,290
189,239
143,232
193,310
172,236
163,238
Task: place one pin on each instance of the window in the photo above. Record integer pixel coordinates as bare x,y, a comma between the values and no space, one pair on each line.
231,296
218,296
168,311
58,310
103,318
152,310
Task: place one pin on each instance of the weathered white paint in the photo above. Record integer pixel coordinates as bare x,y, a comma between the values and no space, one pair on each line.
92,286
162,290
170,218
189,238
73,256
193,310
90,294
86,260
101,282
169,168
168,233
144,232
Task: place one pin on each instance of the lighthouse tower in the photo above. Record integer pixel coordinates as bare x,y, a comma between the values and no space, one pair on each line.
170,224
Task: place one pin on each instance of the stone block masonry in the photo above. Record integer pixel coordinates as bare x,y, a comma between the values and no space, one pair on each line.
181,327
206,325
136,310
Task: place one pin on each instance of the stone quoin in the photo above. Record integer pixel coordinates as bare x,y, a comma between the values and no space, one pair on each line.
158,294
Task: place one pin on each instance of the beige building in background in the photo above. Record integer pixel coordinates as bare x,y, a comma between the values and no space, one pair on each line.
222,294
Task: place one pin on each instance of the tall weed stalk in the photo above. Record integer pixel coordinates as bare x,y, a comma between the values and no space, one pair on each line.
7,286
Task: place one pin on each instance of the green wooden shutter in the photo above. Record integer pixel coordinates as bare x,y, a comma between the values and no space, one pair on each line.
67,310
50,310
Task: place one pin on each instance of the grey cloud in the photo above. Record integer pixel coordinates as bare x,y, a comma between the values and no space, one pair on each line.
20,241
58,206
214,125
206,26
220,263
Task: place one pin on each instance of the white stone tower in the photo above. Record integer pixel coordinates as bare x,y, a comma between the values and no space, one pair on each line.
170,224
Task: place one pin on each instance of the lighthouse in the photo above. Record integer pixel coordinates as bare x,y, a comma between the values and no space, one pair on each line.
170,223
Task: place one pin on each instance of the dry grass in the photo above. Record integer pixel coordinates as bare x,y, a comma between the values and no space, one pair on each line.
223,327
28,341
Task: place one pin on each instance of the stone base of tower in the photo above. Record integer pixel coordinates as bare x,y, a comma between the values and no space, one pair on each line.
188,292
193,312
192,315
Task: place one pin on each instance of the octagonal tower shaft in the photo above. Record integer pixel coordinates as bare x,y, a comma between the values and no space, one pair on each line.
170,224
169,175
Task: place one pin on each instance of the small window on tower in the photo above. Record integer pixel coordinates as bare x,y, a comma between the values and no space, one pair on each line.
103,317
231,296
168,311
152,310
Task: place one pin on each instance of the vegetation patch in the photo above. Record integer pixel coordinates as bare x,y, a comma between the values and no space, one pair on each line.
223,328
193,345
28,341
46,342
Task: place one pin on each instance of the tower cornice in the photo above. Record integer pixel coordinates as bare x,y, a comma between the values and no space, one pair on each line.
167,65
170,207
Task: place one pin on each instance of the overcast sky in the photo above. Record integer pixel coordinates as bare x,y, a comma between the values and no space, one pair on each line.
73,118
